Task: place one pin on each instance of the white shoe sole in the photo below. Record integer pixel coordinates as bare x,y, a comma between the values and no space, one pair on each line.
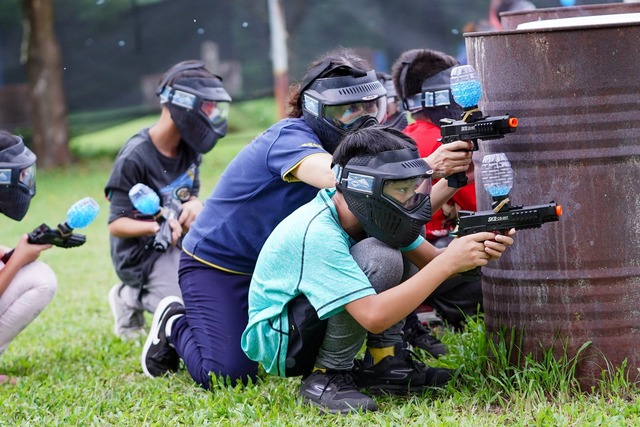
153,332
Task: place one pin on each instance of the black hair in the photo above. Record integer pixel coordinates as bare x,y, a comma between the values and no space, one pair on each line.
414,66
370,141
340,56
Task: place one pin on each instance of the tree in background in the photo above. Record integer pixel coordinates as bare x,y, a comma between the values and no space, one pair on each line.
43,59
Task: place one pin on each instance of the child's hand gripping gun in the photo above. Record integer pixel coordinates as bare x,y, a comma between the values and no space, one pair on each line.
79,215
147,201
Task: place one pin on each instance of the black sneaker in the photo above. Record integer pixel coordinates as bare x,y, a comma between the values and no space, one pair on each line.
335,392
420,337
159,357
400,374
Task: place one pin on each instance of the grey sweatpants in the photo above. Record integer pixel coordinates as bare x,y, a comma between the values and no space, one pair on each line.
344,337
163,282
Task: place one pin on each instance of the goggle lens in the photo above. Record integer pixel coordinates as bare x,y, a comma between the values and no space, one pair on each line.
216,111
407,193
344,116
28,177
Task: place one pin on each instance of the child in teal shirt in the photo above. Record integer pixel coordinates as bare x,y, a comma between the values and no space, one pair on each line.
333,270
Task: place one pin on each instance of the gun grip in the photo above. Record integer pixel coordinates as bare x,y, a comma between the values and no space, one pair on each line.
6,256
457,180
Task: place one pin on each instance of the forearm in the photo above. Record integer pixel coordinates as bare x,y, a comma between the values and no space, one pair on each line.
423,254
129,227
377,313
315,170
440,193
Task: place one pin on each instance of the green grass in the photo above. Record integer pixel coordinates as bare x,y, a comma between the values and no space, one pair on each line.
74,372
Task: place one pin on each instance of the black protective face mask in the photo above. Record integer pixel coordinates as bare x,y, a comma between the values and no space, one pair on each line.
14,202
17,180
353,86
361,182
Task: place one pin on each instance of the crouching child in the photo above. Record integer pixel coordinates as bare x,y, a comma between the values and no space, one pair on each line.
334,270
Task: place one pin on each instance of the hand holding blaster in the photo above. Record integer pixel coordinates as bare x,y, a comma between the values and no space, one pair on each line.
466,91
79,215
147,201
497,177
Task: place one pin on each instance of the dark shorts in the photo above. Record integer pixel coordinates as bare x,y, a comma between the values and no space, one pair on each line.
306,333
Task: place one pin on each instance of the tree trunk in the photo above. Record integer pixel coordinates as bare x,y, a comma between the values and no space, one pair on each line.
279,57
46,89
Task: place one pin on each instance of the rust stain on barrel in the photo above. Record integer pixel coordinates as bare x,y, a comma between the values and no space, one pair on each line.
576,93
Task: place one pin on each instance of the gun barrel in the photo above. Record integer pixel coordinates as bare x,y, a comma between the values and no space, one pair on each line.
164,239
518,217
484,128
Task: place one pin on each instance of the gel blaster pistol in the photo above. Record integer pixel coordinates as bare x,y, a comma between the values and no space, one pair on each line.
508,217
473,125
147,202
80,214
497,177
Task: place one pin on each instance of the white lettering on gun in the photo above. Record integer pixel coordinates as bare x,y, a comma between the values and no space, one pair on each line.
497,218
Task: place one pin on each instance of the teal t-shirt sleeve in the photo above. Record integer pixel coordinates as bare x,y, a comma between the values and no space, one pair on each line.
336,282
414,245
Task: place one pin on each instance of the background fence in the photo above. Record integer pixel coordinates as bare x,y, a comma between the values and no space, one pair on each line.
114,51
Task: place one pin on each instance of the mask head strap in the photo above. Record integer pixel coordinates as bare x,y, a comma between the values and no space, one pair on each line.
324,68
178,69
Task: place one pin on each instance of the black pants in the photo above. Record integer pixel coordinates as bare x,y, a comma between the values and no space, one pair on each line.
306,332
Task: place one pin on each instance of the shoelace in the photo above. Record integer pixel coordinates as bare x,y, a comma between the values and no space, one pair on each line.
412,359
340,379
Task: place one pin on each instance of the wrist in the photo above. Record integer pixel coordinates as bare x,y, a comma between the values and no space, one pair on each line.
155,227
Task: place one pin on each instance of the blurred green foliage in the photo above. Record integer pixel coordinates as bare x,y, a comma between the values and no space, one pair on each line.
102,134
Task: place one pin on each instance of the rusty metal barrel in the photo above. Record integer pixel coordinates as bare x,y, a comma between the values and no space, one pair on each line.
511,20
576,93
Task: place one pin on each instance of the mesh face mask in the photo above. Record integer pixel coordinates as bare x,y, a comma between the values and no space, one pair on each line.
388,193
199,107
17,180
